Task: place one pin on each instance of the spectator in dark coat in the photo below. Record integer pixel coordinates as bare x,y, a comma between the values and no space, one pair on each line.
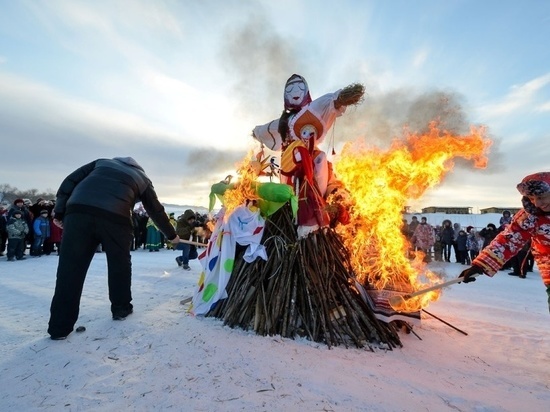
462,248
447,237
93,207
488,233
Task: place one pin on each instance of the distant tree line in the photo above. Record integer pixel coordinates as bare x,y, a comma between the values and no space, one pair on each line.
9,193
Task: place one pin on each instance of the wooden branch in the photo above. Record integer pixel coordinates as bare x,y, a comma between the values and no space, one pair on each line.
190,242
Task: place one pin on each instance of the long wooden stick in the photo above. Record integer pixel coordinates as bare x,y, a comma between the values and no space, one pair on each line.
190,242
438,286
446,323
397,300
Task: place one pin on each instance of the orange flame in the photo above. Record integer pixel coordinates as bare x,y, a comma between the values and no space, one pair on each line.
380,184
244,190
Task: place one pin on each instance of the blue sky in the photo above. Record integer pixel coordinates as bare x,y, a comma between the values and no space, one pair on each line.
179,85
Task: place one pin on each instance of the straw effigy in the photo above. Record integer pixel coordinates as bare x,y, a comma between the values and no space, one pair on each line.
304,289
350,95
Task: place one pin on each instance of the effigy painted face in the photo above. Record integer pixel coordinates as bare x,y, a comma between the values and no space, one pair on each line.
296,93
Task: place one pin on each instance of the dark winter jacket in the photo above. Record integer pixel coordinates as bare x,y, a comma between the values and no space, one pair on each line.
110,188
447,233
461,241
185,226
488,234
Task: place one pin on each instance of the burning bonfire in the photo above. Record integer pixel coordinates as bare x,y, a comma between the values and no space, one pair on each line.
380,184
321,257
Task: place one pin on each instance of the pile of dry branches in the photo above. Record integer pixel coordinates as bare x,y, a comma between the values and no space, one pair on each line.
305,288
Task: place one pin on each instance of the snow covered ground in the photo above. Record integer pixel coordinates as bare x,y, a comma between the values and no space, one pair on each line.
161,358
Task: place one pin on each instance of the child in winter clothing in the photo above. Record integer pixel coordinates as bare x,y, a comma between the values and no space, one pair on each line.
530,223
17,230
473,244
41,227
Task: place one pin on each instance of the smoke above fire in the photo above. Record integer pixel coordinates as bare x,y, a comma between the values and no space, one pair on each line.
258,61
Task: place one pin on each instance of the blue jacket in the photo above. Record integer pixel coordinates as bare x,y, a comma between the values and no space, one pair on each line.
41,227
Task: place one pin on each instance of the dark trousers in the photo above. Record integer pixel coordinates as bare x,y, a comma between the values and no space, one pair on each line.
519,263
16,248
446,251
82,233
462,256
3,239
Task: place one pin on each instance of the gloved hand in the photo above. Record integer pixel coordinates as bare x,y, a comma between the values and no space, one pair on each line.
468,274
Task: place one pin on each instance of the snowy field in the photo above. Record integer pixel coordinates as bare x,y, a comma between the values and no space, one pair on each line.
161,358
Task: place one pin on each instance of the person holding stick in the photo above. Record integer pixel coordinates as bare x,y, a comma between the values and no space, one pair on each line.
93,207
532,223
185,227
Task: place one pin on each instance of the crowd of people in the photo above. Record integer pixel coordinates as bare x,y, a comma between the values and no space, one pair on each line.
29,226
26,225
451,240
27,229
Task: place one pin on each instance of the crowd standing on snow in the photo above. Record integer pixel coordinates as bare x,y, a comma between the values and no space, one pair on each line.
43,237
449,240
23,225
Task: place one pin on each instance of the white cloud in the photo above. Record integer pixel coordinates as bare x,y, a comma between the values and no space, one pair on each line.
520,97
26,97
206,117
99,29
545,107
419,58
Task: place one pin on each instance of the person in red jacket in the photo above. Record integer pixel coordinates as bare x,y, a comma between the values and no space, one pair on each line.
530,223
